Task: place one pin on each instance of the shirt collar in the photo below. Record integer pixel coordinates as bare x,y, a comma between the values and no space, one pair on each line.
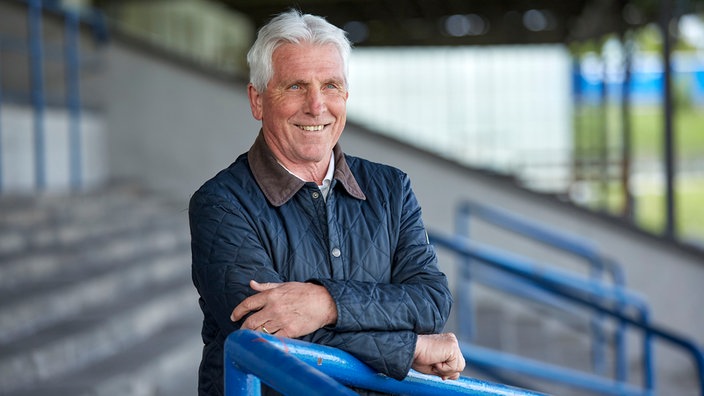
279,185
331,169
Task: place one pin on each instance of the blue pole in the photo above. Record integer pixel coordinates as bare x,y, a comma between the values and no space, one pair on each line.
467,319
345,368
485,357
37,83
1,152
562,285
573,245
597,328
248,352
239,382
73,95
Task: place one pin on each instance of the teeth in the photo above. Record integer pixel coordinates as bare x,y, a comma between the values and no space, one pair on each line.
311,127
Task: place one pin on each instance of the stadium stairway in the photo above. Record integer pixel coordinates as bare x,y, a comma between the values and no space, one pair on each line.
96,296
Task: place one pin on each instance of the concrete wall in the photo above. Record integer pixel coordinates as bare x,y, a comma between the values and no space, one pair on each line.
18,153
169,126
173,127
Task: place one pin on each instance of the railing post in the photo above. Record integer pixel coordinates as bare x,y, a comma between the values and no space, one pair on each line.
597,264
240,383
466,321
596,323
2,185
581,292
73,94
36,63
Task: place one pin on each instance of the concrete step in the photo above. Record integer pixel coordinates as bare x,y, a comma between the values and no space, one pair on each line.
96,296
536,333
165,363
59,234
92,336
46,210
541,335
30,310
23,271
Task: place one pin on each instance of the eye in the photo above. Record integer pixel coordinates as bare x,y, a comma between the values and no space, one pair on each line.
294,87
333,87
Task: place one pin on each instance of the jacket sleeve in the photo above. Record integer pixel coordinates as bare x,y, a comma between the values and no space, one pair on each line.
227,253
417,298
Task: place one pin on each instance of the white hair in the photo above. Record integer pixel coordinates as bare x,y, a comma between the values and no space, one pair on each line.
296,28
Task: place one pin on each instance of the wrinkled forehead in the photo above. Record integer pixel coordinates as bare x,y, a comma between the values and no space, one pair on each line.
307,59
329,49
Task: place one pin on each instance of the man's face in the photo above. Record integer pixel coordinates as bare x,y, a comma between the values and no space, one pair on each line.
303,109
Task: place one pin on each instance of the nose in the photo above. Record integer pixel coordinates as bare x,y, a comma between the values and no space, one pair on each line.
315,102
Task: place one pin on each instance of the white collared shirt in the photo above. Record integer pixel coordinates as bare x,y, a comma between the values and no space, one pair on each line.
325,187
327,180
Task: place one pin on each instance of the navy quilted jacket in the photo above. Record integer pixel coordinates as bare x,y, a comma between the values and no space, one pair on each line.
367,245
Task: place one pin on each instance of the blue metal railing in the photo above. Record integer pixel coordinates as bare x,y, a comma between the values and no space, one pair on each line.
72,55
592,295
2,181
36,65
559,240
295,367
38,53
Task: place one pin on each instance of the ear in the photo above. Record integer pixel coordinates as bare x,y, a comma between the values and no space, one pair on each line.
255,101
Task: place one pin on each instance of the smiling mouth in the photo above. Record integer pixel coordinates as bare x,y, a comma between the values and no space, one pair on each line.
311,128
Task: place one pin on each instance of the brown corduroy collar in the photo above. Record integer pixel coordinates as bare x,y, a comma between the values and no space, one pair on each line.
279,185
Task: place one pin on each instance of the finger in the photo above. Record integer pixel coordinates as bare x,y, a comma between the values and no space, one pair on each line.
260,287
249,304
441,370
256,322
283,333
267,328
445,369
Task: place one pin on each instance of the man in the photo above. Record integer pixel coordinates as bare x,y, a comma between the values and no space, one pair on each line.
297,239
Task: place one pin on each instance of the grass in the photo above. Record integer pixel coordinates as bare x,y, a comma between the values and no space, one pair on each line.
599,134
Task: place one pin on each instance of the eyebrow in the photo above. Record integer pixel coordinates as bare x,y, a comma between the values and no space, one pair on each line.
333,80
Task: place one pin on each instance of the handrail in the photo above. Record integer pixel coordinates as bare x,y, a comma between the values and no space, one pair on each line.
485,357
247,352
559,240
39,52
622,298
297,367
570,244
591,296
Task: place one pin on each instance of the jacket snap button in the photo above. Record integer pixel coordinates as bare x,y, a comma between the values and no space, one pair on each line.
316,195
336,252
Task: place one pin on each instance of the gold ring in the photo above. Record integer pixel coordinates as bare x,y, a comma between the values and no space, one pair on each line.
265,330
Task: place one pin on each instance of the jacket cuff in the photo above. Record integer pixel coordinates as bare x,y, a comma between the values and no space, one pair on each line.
403,372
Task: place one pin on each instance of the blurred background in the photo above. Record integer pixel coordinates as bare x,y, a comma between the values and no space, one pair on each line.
578,123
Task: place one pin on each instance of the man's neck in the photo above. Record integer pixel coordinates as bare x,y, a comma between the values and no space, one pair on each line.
311,173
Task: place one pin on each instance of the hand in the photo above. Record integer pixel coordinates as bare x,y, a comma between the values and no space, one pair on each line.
289,309
438,354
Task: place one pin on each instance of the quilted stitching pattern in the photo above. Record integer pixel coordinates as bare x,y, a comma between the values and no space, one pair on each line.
385,282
